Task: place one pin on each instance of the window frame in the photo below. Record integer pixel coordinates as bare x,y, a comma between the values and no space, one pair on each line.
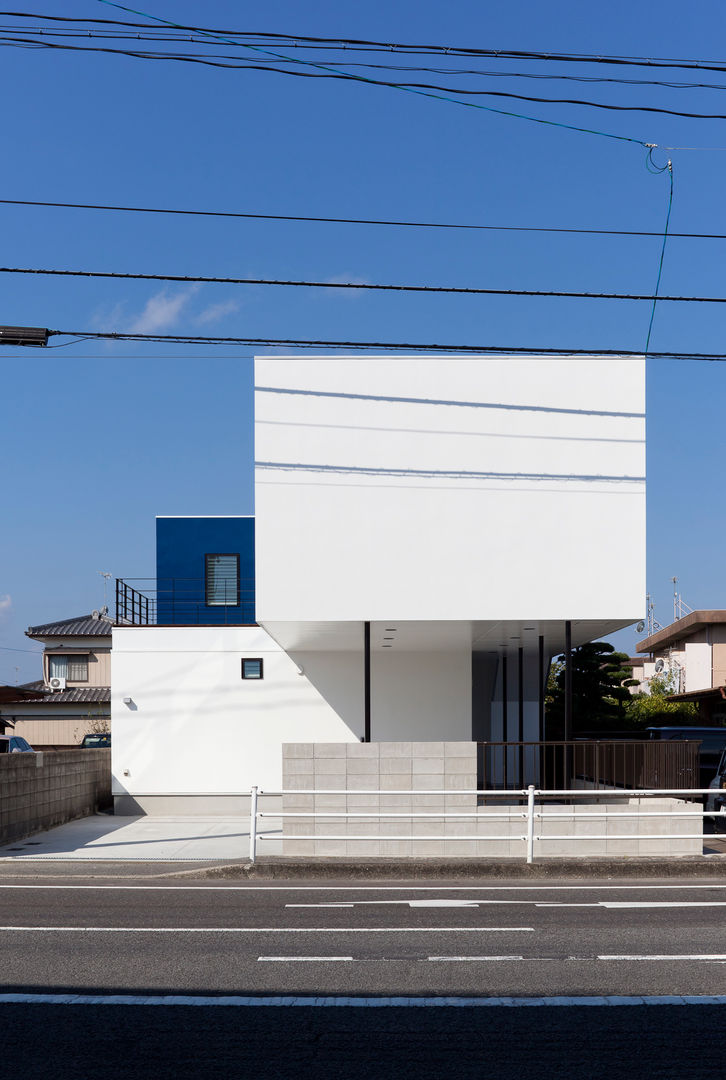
77,657
220,555
253,660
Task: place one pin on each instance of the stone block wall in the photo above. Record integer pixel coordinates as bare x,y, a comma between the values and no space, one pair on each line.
403,778
38,791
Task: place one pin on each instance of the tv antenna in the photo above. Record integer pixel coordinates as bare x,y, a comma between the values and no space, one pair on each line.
105,575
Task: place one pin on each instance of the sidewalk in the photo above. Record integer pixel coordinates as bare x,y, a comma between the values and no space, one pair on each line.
223,844
148,839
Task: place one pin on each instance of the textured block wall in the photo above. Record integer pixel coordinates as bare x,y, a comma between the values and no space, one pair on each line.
38,791
405,778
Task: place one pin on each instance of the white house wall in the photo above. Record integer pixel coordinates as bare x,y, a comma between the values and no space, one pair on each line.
194,727
449,488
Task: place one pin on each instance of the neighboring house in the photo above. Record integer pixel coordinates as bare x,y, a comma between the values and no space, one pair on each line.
692,652
73,696
429,531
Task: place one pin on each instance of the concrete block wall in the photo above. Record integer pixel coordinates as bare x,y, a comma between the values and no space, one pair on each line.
404,778
38,791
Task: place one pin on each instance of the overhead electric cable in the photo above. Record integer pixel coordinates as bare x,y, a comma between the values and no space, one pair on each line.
364,221
361,44
396,86
399,85
307,343
669,168
359,285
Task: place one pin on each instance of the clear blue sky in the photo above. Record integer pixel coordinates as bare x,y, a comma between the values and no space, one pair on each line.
97,438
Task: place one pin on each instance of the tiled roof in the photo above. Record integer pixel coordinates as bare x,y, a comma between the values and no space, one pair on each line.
93,625
74,694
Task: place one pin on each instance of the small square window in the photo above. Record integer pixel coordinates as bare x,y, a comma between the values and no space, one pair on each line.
251,669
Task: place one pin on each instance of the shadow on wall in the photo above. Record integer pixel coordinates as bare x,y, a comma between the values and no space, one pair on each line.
338,678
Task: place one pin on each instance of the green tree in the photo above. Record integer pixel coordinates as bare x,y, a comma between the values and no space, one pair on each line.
654,706
600,695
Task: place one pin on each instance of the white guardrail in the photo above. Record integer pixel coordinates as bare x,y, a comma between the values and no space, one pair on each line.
530,814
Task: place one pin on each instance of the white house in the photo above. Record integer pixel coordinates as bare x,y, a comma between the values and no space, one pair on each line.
428,532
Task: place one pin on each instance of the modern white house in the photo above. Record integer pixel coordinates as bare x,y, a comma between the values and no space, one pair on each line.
428,533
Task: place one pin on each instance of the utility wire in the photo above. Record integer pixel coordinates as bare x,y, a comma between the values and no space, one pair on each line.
462,290
392,85
362,44
361,221
428,347
398,85
669,168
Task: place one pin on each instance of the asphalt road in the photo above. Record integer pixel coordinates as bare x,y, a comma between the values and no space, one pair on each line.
427,938
153,936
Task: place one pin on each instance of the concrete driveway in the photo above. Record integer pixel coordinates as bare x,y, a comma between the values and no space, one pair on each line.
169,839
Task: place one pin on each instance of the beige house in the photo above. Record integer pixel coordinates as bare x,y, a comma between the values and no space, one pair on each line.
692,650
73,697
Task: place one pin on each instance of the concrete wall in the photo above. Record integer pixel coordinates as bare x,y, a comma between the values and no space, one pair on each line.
38,791
449,488
369,774
194,729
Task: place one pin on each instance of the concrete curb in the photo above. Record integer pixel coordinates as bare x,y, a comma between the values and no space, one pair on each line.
272,868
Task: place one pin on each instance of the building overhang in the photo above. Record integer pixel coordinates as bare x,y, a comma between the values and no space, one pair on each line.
492,637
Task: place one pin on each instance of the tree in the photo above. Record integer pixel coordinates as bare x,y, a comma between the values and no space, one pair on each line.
654,707
600,695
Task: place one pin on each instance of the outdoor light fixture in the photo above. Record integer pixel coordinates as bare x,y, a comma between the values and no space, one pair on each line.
23,335
127,700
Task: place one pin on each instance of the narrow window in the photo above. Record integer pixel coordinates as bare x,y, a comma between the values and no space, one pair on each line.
222,580
77,669
252,669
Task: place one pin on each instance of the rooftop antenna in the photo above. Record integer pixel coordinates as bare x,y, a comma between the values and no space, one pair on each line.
105,575
680,607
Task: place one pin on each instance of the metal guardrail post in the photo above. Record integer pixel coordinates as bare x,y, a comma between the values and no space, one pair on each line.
253,824
530,823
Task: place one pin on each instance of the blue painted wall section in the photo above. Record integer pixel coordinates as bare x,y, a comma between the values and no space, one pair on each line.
181,546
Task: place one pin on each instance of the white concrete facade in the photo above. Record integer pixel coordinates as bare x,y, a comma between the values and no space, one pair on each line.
465,506
194,729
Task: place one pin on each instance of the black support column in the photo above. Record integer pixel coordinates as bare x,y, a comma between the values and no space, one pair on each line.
541,688
568,681
366,682
520,715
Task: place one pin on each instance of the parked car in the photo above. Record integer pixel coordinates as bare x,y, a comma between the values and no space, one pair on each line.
717,801
96,741
15,744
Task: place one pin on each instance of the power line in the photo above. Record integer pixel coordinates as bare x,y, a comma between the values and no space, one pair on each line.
362,44
366,286
359,221
424,88
306,343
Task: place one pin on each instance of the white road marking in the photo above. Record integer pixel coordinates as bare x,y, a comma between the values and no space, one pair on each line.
661,903
716,957
272,929
296,1001
300,959
448,959
442,903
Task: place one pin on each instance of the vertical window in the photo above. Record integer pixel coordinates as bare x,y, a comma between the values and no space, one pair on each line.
222,580
252,669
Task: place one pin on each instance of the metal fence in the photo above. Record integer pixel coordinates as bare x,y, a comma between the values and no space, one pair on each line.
595,764
181,601
530,808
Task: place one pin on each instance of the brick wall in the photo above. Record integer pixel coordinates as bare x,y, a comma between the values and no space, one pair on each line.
38,791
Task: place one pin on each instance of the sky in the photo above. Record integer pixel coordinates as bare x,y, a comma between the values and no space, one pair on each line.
99,437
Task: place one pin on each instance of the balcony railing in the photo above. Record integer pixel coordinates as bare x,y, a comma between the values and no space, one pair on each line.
182,601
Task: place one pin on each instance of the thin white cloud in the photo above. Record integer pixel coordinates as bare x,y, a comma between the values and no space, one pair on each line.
215,312
6,602
161,311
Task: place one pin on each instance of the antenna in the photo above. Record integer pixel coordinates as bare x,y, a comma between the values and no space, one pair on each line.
105,575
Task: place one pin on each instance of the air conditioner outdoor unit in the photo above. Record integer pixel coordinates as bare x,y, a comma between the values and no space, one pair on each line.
56,683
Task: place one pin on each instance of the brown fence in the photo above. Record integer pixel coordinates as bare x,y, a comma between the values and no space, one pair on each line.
593,764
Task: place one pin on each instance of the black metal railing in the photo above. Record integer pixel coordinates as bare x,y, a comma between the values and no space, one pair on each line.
182,601
632,763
